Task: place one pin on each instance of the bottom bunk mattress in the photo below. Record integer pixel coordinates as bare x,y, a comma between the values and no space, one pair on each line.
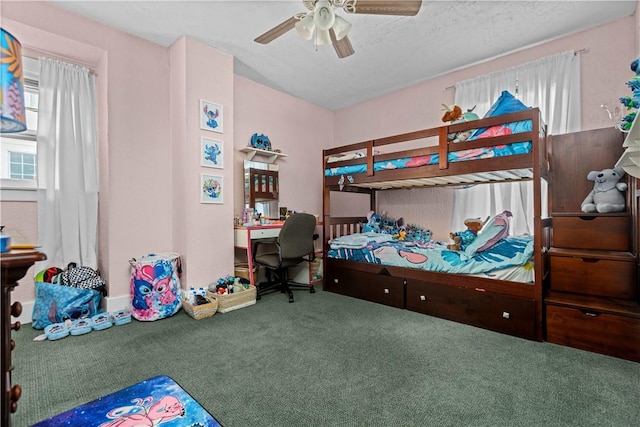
509,259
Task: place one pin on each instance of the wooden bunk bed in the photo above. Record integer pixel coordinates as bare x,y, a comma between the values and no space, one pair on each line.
504,306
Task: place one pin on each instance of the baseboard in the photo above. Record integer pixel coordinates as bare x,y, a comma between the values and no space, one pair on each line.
109,304
112,304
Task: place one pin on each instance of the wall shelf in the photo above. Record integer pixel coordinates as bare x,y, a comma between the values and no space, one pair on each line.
271,155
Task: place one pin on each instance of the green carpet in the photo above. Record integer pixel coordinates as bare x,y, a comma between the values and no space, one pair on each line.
330,360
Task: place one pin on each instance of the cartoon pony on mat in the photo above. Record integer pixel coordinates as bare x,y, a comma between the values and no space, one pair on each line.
144,413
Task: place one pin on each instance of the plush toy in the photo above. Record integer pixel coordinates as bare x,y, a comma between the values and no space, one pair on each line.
607,194
381,223
461,239
454,114
374,223
261,142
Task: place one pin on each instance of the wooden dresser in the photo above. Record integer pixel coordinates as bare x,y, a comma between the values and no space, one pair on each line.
14,266
592,298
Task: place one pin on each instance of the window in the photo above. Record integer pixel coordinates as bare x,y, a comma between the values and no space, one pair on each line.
18,151
22,165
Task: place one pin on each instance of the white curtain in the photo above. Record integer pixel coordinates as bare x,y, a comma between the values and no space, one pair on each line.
67,164
553,85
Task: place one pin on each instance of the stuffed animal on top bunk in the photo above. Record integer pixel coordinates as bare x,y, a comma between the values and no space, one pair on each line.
454,114
608,192
462,239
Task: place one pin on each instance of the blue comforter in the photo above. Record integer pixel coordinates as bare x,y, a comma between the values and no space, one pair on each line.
508,252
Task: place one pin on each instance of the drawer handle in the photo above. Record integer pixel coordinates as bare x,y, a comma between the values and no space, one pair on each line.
16,393
480,290
590,313
16,309
16,326
506,314
590,260
335,281
386,291
423,298
587,218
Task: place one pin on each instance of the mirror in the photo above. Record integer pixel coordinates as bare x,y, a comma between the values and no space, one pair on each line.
261,188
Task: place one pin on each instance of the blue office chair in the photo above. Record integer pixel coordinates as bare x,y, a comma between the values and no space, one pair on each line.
294,245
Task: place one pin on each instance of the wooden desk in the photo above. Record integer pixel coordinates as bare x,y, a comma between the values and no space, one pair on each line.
244,237
14,266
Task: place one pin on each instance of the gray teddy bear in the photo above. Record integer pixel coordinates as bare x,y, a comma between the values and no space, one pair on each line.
607,194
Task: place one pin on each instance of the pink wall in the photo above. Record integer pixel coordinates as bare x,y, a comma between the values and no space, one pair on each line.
300,129
203,233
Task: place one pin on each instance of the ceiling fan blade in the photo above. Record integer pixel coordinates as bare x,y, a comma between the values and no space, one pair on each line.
384,7
343,46
277,31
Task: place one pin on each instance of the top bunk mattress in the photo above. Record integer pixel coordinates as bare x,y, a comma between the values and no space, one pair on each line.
433,159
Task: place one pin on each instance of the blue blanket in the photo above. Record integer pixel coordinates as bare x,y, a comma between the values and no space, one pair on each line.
508,252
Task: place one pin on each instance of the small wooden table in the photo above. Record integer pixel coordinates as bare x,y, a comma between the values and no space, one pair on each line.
14,265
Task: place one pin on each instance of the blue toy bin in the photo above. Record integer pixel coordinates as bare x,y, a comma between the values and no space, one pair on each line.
155,286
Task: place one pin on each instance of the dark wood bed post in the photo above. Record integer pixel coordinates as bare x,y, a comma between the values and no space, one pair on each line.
326,217
539,173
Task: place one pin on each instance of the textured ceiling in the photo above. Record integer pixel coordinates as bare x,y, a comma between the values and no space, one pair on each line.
391,52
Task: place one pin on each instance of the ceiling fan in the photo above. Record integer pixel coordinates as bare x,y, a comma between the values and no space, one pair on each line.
323,26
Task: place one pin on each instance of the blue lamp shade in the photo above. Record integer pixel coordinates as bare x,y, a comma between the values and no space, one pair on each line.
12,110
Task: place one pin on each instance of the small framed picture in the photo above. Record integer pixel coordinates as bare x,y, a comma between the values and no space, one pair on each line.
211,153
211,116
211,189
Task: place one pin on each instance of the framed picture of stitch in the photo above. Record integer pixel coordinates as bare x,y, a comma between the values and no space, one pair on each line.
211,189
211,153
211,116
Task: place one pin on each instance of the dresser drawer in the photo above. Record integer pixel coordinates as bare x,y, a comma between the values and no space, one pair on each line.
608,233
373,287
497,312
590,330
593,276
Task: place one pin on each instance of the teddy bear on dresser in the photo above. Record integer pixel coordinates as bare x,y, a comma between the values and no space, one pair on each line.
607,194
461,239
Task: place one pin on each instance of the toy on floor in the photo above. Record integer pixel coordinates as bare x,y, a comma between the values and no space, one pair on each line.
461,239
608,192
99,322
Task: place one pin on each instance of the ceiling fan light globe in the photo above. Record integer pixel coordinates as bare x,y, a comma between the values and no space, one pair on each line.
305,27
323,16
341,27
322,37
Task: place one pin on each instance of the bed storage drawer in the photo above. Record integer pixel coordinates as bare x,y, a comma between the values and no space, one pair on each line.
489,310
595,331
373,287
585,273
609,233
